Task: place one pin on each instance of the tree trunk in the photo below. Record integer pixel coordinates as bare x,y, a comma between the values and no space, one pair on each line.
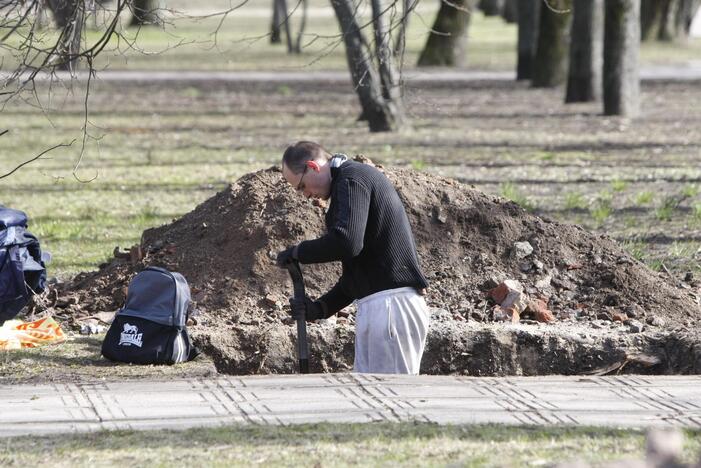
400,42
285,18
650,17
666,20
379,113
384,54
528,19
586,51
63,11
73,38
668,30
447,42
69,16
275,35
685,15
510,11
491,7
621,52
145,12
549,68
41,17
302,26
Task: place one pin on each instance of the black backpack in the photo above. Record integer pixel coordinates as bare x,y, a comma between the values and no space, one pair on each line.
150,328
22,269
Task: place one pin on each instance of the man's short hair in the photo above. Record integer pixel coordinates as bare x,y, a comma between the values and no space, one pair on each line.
297,155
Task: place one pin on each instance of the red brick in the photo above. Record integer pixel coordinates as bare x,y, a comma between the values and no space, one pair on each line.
540,311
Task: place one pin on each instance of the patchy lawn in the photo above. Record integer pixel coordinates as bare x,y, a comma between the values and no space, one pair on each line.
164,150
381,444
78,360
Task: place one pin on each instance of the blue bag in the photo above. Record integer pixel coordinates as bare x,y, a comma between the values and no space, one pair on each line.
22,269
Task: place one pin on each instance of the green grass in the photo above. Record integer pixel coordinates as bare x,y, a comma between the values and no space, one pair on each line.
79,359
509,191
161,149
655,264
666,210
665,53
165,150
240,42
631,222
619,185
690,191
284,90
418,164
375,444
644,197
602,208
575,200
696,212
150,167
683,249
637,249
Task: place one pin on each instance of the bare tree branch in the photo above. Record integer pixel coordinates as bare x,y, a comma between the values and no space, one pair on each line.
35,158
35,51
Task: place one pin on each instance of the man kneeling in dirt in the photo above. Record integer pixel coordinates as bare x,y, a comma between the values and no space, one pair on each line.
368,231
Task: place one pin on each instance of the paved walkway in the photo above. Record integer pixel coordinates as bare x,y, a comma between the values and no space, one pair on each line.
689,72
630,401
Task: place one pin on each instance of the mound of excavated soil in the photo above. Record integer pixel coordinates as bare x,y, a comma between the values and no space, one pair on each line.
226,248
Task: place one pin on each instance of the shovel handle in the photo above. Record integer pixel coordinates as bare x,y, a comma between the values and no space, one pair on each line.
299,293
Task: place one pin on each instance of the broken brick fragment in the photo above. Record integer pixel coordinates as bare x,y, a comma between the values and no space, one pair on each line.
511,301
619,317
270,301
500,293
517,300
539,309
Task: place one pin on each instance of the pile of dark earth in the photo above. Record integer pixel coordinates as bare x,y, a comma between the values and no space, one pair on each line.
611,313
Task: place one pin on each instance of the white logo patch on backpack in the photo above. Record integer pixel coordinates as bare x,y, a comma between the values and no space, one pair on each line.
131,336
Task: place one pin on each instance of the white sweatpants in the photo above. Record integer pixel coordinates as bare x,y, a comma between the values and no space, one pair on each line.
390,332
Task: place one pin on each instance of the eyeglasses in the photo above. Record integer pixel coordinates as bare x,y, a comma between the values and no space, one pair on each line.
300,187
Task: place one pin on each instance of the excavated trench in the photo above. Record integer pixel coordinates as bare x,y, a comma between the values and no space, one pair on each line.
607,311
473,349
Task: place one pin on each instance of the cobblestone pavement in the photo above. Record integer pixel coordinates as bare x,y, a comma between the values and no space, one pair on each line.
625,401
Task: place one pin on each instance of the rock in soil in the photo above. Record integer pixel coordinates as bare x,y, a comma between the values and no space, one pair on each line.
226,247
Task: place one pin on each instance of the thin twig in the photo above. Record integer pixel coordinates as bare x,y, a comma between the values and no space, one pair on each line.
85,127
35,158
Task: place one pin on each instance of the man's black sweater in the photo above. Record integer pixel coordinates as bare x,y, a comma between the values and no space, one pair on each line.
369,232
